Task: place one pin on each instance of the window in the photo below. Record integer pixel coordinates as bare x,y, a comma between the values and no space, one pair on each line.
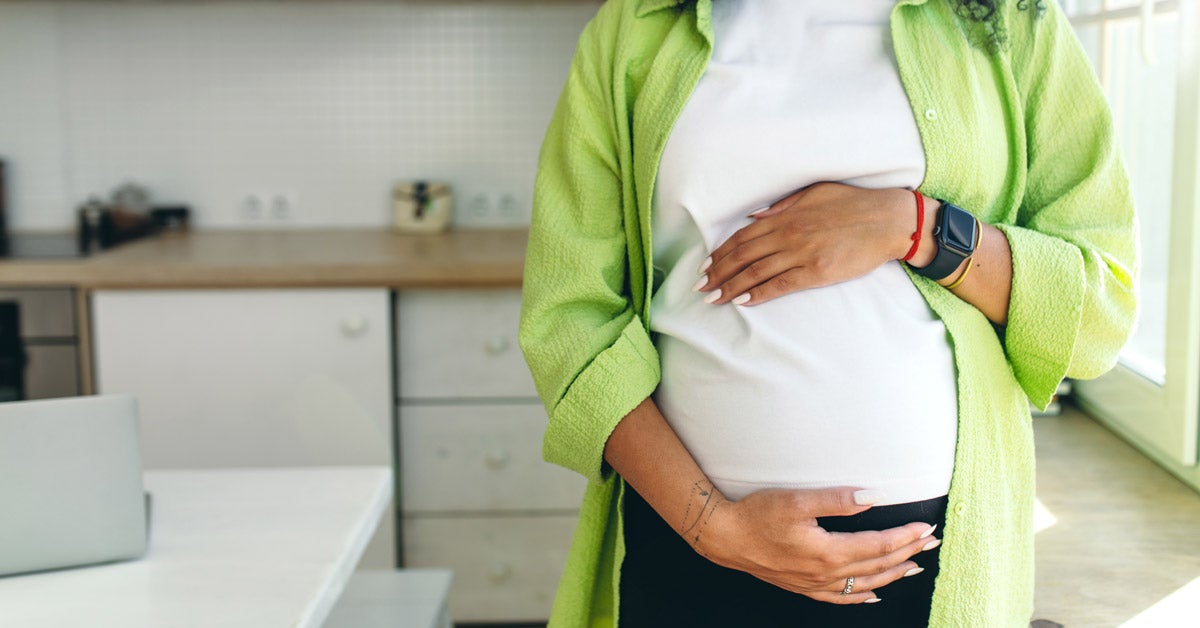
1148,61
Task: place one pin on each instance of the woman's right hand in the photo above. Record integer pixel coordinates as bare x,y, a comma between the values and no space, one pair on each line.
773,535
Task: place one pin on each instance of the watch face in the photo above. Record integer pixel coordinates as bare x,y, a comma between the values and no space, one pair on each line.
959,231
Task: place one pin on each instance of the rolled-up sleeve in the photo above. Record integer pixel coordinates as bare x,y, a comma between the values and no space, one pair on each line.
1074,244
587,348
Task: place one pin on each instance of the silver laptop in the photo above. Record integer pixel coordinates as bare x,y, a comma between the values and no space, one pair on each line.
70,483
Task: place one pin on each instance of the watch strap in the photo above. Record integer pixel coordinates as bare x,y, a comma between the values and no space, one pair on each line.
947,259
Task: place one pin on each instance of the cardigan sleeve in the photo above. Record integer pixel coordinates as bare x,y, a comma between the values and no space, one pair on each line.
591,357
1074,245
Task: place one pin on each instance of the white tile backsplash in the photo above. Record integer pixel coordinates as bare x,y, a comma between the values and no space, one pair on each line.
327,102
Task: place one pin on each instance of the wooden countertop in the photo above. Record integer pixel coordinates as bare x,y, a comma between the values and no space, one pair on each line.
289,259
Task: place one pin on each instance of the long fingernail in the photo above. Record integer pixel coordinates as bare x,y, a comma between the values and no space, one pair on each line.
914,571
867,497
872,600
741,300
700,284
929,531
705,264
713,296
932,544
759,210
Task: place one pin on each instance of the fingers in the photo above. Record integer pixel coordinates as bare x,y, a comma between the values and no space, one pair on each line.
879,580
866,597
741,250
839,501
731,256
884,563
746,234
803,557
865,584
785,282
762,261
754,277
766,210
832,593
881,546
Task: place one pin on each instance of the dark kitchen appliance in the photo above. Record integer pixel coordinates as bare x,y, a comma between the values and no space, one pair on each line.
32,245
3,213
39,343
101,225
12,353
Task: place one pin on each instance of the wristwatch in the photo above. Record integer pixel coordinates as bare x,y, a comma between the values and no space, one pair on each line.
955,232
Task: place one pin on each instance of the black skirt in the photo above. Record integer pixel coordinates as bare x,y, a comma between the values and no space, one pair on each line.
665,583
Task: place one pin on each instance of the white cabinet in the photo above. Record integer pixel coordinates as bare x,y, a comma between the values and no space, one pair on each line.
506,568
485,457
461,344
477,497
254,378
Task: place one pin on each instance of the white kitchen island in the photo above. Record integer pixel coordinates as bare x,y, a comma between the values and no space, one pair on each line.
259,548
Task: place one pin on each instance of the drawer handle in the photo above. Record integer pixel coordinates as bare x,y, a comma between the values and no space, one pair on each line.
354,326
497,459
497,345
499,572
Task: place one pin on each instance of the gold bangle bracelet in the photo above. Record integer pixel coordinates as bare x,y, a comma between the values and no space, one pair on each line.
970,260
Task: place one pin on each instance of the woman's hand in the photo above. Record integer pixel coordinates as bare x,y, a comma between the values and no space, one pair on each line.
773,535
824,234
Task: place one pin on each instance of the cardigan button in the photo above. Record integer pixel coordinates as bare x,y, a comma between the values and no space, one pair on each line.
931,114
960,509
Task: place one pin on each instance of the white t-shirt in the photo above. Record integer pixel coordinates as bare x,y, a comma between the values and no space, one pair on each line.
846,385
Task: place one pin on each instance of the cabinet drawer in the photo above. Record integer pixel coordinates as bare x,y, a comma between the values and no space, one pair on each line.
45,313
505,569
53,371
461,344
483,457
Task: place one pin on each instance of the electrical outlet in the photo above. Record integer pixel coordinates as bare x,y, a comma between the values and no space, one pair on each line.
508,207
480,206
283,207
252,207
264,207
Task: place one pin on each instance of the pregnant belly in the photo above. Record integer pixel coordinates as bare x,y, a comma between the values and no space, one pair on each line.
848,385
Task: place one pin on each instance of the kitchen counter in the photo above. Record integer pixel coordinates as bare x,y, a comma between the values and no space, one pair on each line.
471,258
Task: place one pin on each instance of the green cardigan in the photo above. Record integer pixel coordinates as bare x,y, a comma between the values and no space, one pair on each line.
1021,136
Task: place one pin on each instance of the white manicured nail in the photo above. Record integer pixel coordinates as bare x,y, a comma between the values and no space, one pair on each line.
872,600
867,497
741,300
705,264
914,571
713,296
928,532
759,210
700,284
932,544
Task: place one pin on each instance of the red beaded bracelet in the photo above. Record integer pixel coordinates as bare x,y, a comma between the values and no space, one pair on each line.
916,236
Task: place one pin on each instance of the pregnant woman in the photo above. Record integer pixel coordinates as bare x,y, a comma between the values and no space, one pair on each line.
879,230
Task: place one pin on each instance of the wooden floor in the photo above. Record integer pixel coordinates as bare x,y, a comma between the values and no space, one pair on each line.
1123,548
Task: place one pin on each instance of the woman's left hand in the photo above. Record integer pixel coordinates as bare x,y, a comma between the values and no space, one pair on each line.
823,234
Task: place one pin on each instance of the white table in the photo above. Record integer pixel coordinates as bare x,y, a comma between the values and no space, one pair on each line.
398,598
257,548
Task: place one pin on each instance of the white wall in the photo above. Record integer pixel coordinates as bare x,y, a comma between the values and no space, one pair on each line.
328,102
